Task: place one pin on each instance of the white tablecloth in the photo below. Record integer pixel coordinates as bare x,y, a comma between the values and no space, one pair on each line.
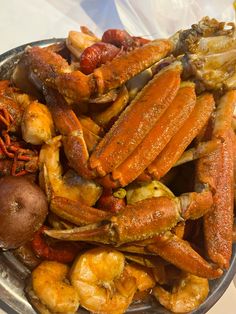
30,20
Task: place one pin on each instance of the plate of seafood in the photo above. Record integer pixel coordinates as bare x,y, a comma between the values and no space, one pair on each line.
117,159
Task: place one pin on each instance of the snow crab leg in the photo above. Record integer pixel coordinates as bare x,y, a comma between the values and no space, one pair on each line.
76,211
76,85
152,216
154,142
202,149
216,170
149,232
47,67
181,254
183,137
164,144
136,121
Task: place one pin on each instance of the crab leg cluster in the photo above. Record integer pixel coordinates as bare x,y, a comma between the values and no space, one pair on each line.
124,153
163,212
144,112
48,67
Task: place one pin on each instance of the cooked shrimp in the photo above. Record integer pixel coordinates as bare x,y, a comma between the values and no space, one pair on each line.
49,285
101,281
70,185
143,276
37,124
186,296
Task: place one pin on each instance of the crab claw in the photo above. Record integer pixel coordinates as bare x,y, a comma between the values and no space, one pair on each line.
181,254
44,67
152,217
77,212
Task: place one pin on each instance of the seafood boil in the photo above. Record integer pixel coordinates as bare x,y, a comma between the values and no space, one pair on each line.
117,168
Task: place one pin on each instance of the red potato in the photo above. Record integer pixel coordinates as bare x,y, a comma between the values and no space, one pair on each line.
23,209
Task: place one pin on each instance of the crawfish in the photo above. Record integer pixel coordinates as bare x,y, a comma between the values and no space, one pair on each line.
10,148
64,252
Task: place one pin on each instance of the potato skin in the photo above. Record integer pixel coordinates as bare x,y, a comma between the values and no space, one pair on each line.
23,209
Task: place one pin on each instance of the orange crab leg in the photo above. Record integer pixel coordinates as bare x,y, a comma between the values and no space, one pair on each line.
180,253
218,223
77,212
175,115
105,117
122,68
69,126
224,114
47,67
136,121
207,169
201,150
141,220
76,85
175,148
41,66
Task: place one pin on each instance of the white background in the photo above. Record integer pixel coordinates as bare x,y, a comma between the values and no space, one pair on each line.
24,21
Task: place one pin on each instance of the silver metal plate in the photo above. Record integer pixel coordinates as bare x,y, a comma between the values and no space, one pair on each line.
13,274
